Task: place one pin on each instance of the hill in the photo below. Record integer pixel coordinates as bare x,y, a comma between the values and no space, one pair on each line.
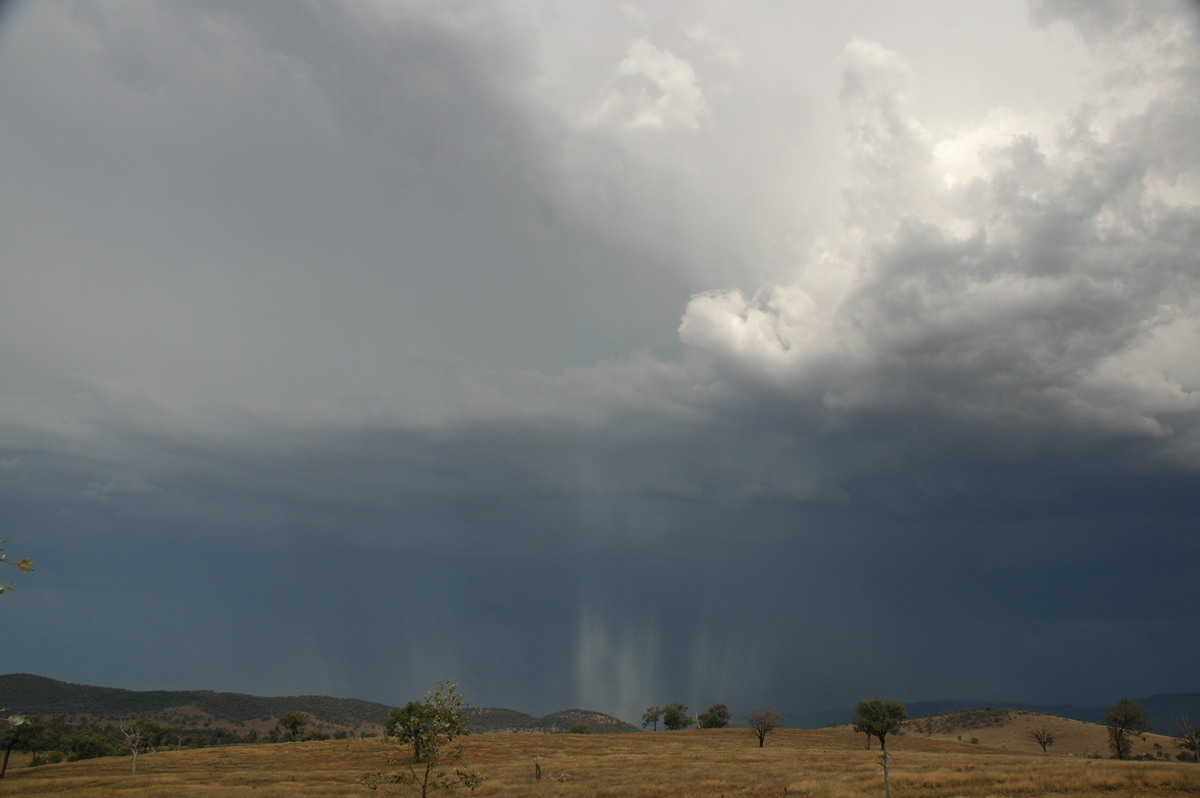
192,709
183,709
508,720
1011,729
1164,708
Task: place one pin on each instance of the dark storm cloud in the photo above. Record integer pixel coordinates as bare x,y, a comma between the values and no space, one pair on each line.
328,346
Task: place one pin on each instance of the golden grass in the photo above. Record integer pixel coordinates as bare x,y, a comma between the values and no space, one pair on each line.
826,763
1070,736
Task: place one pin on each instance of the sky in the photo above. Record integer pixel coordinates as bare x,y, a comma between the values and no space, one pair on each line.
603,354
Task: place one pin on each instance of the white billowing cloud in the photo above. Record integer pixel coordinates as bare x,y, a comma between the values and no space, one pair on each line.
962,154
1136,44
695,159
771,332
1051,287
651,89
1051,280
1043,283
871,70
1144,89
887,148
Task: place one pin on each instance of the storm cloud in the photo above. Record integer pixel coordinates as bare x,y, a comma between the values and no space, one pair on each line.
603,356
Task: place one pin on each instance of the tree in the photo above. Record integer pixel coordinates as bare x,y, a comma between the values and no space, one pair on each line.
676,717
137,739
294,723
88,744
1042,736
409,724
21,733
879,718
154,733
762,722
1187,737
430,728
715,717
25,566
651,717
1126,719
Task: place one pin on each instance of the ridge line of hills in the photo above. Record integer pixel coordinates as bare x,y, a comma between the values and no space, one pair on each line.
87,704
25,693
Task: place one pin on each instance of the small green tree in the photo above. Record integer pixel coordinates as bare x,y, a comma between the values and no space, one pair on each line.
88,744
430,728
154,734
762,722
25,565
651,717
409,724
715,717
1126,719
879,718
676,717
21,733
293,723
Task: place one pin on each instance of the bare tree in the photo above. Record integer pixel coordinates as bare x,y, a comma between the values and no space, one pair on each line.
133,739
144,734
764,721
1042,736
1187,737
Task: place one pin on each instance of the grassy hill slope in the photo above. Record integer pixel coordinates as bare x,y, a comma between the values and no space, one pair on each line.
1011,729
1164,709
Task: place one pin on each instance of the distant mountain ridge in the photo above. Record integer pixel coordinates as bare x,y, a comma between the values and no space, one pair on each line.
29,694
498,720
1164,708
39,695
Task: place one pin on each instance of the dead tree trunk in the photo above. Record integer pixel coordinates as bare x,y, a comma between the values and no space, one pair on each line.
887,774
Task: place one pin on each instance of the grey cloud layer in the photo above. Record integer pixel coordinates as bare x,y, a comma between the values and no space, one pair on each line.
386,205
378,305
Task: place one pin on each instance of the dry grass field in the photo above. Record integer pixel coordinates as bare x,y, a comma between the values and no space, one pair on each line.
826,763
1013,732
